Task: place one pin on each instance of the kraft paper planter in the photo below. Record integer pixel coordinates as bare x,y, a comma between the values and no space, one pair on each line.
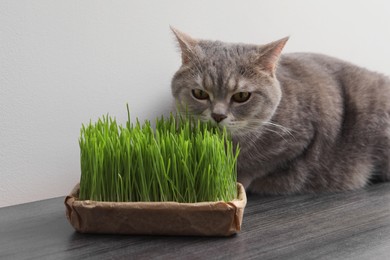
156,218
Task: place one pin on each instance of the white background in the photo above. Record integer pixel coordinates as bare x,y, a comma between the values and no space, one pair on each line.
63,63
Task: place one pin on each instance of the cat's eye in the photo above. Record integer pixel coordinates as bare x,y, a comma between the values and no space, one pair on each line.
200,94
241,97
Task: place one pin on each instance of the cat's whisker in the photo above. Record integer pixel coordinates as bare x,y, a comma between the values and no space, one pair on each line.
285,130
251,141
276,132
279,126
256,131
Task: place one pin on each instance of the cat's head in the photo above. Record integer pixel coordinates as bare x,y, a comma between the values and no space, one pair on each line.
233,85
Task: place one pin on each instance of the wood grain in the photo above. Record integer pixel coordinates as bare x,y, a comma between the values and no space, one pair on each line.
350,225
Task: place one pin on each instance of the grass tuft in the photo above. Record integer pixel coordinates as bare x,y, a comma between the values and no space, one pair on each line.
182,160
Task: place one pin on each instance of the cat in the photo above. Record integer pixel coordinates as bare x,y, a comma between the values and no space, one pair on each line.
305,123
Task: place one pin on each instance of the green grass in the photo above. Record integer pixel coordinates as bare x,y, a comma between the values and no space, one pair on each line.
181,160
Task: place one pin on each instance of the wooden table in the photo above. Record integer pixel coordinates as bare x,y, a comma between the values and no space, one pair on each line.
351,225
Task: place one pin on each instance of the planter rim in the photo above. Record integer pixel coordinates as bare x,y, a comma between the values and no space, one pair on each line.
156,218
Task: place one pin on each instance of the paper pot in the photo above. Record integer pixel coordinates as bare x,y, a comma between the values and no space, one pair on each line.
156,218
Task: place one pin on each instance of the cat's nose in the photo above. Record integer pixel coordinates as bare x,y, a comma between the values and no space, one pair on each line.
218,117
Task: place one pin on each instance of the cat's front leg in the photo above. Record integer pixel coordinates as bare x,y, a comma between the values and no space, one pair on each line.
287,181
245,180
245,175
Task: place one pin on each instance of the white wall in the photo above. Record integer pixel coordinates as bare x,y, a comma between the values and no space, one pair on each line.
64,62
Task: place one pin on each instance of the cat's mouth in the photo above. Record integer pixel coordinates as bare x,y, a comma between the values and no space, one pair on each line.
233,127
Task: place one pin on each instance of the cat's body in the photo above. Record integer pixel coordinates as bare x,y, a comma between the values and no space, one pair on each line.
338,121
304,122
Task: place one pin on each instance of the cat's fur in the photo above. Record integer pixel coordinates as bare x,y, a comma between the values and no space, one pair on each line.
312,123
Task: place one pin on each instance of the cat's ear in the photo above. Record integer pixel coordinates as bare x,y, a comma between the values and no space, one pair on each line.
186,43
269,54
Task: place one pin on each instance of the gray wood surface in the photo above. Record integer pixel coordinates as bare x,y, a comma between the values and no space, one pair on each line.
351,225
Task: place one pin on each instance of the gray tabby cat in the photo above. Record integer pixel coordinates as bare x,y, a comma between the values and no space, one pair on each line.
304,122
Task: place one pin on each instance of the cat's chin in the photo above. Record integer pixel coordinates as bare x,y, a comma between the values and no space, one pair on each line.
237,133
240,129
245,133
